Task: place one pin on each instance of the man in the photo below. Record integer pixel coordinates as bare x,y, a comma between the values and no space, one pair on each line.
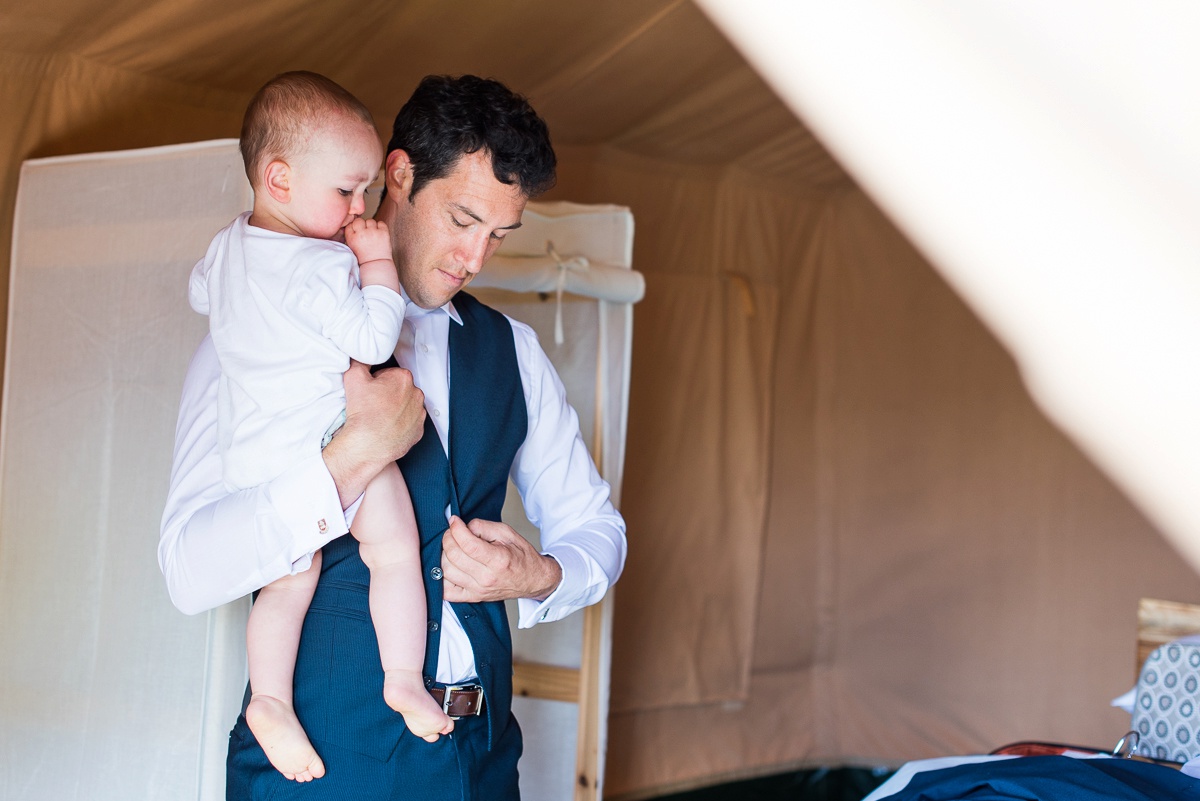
465,156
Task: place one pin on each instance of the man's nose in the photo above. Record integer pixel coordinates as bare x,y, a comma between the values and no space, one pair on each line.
474,253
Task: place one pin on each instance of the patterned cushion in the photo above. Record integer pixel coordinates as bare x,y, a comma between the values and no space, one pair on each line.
1165,712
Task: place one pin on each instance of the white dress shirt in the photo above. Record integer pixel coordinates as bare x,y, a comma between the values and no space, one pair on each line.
217,546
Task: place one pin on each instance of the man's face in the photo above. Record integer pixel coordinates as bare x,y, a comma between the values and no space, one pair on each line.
443,237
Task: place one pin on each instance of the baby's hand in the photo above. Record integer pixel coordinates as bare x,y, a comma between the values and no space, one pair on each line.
369,240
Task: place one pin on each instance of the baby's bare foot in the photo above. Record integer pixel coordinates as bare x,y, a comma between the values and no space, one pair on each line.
404,691
282,738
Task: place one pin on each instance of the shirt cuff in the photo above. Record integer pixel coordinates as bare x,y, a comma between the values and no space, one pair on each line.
307,502
560,603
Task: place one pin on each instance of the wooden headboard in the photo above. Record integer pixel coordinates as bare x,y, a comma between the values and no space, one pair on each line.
1160,622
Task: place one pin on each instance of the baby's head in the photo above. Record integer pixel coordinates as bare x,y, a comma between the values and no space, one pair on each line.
310,150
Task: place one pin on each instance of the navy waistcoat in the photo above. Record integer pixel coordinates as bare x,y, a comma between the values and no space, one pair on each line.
339,680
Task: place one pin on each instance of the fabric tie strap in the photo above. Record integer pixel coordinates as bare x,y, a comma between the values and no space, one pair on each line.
576,263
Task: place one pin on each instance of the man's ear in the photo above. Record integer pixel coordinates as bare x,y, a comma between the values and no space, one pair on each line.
398,175
277,180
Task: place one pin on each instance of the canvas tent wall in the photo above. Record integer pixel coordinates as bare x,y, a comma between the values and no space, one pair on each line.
839,491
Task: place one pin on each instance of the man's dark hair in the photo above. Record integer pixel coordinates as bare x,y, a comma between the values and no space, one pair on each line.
449,117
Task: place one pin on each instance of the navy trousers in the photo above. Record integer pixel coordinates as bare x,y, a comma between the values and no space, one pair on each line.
455,768
368,753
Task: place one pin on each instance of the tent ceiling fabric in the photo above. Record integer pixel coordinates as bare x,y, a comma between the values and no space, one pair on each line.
658,78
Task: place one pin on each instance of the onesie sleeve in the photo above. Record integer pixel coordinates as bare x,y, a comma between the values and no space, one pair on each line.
363,322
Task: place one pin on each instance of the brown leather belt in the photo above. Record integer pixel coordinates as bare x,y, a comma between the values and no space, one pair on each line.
459,700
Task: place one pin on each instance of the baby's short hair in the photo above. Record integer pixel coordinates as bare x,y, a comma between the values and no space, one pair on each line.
286,111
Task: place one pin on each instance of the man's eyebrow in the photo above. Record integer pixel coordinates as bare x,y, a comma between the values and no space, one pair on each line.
479,219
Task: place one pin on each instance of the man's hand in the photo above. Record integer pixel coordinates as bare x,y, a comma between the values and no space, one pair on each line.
385,416
488,561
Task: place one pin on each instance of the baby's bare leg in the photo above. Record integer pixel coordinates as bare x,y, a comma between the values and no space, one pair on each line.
272,639
386,530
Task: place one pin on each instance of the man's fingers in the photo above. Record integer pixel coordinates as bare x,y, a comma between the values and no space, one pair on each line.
488,530
469,567
473,563
469,541
458,534
454,593
458,563
458,584
452,551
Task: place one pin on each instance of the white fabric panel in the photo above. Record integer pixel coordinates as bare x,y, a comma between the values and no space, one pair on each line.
555,250
106,691
602,232
104,682
547,762
1046,157
576,274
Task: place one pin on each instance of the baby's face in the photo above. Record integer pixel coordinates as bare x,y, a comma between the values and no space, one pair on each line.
330,179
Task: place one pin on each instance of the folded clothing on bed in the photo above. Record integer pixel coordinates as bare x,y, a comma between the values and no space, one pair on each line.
1051,778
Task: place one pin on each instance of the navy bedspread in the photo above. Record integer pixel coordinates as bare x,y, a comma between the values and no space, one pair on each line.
1052,778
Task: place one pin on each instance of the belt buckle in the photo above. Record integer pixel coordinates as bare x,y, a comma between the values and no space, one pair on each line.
453,688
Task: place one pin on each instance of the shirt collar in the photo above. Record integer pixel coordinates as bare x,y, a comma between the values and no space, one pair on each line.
413,310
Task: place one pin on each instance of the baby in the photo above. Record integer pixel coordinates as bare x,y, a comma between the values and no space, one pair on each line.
286,314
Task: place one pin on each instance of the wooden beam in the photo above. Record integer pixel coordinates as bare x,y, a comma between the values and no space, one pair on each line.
548,682
587,731
587,741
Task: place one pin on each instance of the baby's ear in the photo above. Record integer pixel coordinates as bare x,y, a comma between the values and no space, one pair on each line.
277,181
